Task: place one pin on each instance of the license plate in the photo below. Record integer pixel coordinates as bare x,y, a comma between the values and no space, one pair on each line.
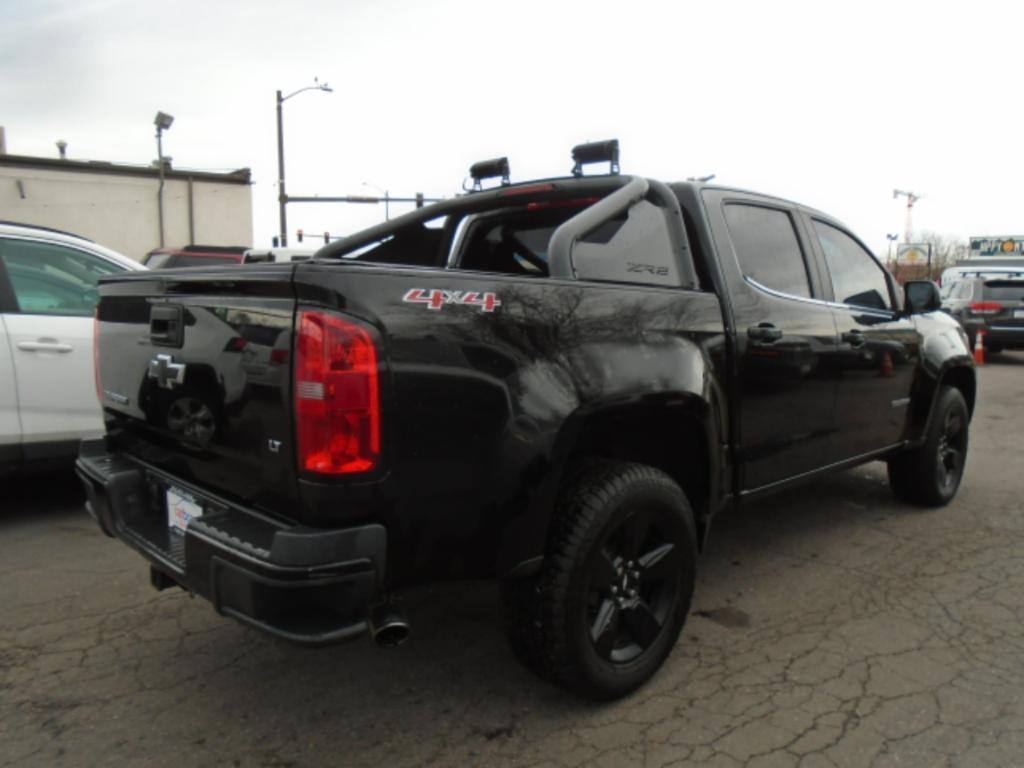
1019,313
181,508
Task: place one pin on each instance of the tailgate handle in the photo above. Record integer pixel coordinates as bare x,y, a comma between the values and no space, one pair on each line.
166,325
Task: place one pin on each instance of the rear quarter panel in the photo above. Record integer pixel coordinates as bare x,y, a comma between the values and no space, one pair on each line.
480,406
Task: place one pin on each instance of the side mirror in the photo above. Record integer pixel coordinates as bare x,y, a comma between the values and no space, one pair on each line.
921,296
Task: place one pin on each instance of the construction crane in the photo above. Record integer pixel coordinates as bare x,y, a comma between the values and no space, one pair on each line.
911,199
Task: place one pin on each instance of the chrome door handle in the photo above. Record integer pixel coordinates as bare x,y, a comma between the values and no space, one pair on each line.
766,333
44,346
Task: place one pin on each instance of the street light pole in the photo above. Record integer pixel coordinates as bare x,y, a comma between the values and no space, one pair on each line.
162,121
387,199
282,196
160,189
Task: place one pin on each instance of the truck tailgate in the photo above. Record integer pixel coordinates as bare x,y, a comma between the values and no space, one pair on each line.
193,368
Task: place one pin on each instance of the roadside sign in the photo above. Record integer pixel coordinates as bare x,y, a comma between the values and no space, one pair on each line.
914,254
1009,245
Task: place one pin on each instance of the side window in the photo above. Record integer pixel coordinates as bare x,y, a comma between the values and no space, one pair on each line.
632,248
767,248
50,279
857,279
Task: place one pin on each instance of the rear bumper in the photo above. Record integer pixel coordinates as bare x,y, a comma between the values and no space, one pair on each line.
1008,337
312,586
997,334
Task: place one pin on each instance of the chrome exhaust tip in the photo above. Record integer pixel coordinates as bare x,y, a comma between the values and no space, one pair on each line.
388,627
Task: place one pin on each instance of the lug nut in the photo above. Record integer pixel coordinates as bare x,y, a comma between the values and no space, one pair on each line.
615,590
632,593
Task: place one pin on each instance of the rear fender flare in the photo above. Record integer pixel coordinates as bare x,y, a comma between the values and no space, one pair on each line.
664,421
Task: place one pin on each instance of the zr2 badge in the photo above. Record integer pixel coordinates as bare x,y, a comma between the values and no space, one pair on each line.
438,299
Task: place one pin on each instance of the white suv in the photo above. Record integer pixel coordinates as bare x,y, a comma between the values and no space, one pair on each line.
47,301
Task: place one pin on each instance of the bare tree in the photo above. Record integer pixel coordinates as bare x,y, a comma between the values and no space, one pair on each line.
947,250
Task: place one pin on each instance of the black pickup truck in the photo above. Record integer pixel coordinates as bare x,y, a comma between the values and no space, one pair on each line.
557,384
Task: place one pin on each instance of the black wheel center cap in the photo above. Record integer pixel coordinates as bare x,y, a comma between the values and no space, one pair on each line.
627,585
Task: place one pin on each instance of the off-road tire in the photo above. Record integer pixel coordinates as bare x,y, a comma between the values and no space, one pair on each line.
611,515
930,474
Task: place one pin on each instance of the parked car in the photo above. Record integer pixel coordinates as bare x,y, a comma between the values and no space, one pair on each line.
47,302
954,275
199,256
557,384
993,305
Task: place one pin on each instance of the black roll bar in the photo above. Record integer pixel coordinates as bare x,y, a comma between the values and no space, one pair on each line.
584,222
636,189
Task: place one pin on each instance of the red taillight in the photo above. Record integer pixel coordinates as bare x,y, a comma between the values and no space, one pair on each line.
986,308
236,344
96,356
337,395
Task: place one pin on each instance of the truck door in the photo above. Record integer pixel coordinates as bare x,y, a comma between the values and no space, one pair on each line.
878,348
785,338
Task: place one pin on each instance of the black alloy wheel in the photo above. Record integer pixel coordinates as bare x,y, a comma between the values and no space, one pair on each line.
930,474
951,451
632,587
617,582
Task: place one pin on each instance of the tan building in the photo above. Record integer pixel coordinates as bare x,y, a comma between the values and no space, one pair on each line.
117,205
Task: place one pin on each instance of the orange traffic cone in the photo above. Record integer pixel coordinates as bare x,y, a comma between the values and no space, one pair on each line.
979,348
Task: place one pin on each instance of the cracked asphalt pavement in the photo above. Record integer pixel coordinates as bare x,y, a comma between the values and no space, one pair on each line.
833,627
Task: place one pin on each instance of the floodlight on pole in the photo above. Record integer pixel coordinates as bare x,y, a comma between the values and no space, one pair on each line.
911,199
162,121
892,239
282,196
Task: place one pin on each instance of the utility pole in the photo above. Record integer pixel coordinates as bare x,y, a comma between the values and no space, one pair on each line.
282,196
911,199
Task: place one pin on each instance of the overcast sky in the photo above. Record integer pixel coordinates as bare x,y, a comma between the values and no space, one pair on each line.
830,104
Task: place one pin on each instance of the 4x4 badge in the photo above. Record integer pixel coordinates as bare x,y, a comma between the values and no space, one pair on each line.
168,374
437,299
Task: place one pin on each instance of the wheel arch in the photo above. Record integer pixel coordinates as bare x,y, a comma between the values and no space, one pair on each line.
959,376
672,433
675,432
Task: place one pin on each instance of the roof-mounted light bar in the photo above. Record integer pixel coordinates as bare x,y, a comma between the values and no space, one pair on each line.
596,152
490,169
